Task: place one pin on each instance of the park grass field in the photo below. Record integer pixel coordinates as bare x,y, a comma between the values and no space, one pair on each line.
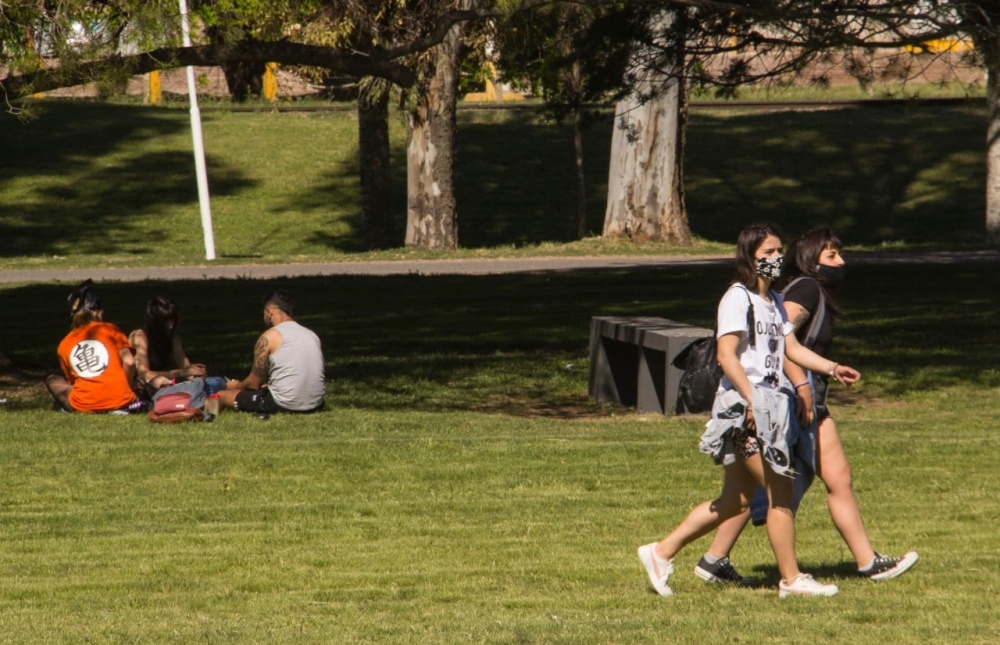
114,185
462,487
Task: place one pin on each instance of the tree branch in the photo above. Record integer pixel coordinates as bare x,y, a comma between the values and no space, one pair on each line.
351,63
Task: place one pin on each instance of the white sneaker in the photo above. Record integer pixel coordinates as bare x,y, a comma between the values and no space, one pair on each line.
804,585
657,568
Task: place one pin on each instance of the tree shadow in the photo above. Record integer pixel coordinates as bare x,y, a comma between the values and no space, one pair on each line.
97,196
516,182
887,174
518,343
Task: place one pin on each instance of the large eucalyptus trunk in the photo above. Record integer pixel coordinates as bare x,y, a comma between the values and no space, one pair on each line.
992,59
373,158
646,177
979,21
431,216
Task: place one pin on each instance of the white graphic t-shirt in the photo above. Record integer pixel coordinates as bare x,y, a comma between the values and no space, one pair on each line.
762,363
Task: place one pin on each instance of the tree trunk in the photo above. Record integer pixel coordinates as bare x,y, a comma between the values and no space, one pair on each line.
581,180
646,178
979,21
373,158
245,79
575,84
991,57
431,217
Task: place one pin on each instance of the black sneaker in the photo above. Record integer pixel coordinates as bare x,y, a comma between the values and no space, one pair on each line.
886,568
721,571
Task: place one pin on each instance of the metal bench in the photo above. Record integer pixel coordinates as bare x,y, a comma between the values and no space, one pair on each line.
632,361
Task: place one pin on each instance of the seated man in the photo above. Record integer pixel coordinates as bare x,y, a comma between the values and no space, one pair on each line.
288,369
96,360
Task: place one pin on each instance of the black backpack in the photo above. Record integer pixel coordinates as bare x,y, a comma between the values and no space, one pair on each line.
702,371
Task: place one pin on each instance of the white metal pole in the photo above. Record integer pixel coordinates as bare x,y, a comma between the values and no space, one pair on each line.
199,146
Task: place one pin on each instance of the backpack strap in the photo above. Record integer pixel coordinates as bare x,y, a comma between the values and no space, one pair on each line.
751,320
815,317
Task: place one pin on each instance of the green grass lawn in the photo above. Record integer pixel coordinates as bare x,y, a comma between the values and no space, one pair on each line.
462,487
90,183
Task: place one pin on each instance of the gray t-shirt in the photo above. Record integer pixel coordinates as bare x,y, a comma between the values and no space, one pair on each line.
295,372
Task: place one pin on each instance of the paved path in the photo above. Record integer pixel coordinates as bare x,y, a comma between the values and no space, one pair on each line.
441,267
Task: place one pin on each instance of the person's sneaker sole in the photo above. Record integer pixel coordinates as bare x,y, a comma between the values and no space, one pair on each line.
902,567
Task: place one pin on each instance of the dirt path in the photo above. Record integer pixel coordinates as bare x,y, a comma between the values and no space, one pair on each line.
441,267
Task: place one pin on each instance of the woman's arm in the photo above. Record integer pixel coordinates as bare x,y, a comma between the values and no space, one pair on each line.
185,368
138,340
725,352
803,392
810,360
154,378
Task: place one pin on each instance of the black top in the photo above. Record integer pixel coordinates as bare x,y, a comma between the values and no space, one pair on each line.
806,293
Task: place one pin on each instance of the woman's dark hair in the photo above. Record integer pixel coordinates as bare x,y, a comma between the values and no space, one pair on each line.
747,244
803,257
160,313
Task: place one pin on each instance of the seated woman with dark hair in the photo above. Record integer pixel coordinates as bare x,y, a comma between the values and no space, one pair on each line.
96,360
160,360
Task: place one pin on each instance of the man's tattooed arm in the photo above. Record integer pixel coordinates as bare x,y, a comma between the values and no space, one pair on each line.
260,354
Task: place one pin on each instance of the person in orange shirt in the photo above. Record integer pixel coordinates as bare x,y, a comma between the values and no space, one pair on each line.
96,358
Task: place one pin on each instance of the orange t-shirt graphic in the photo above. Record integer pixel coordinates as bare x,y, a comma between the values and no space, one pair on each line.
90,361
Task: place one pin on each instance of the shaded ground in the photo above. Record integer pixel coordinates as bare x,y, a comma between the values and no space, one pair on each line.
21,384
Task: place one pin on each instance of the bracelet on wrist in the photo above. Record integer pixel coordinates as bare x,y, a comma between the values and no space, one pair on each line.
802,384
833,369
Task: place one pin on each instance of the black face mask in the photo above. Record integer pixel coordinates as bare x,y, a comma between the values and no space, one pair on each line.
832,277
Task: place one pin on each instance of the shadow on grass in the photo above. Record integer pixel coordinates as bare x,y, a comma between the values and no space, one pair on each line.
766,576
98,192
898,173
889,174
518,344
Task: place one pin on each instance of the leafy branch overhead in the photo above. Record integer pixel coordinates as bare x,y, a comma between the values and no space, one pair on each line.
79,54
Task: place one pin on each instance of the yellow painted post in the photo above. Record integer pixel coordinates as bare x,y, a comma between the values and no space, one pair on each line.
271,81
154,91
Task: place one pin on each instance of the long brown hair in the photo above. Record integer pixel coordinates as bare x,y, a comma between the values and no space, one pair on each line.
159,336
747,244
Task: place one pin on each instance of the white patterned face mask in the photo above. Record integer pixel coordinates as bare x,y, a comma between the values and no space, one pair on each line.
770,268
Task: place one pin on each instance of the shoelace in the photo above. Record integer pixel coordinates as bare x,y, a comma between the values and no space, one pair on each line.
883,560
727,570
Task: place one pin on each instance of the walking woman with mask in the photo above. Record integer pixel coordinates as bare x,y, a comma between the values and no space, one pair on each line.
749,432
813,270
